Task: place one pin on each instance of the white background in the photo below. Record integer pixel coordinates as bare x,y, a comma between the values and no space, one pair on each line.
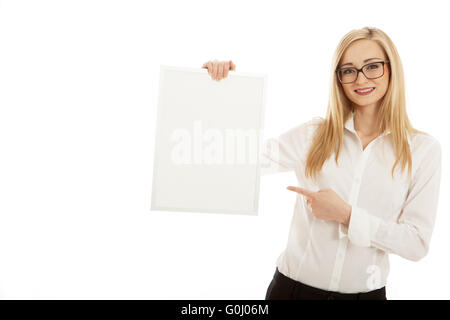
78,96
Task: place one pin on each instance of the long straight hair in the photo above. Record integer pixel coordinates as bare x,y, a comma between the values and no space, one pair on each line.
392,114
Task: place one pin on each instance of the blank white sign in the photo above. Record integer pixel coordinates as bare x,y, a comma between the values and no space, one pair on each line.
208,140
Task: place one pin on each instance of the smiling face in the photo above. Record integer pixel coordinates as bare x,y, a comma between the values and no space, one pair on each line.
356,55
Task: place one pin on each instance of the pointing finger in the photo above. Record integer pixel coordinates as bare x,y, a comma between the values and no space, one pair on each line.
302,191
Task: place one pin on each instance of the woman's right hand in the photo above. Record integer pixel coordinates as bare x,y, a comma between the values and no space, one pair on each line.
219,69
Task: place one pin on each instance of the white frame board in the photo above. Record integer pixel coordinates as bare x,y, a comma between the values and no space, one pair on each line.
195,116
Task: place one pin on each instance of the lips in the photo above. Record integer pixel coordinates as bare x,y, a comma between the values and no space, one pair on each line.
366,93
364,88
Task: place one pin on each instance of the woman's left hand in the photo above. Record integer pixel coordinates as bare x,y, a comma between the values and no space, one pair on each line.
326,204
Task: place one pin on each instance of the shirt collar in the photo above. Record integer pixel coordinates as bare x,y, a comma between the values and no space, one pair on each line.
350,125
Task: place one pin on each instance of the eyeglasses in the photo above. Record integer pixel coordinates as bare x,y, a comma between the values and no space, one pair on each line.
371,70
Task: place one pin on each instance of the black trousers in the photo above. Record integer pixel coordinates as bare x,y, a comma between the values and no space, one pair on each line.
285,288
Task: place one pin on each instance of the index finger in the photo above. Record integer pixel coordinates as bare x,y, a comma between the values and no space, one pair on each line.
302,191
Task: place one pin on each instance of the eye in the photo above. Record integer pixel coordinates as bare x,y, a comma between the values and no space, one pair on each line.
373,66
348,71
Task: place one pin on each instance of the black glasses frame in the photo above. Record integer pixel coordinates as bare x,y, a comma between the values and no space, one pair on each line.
360,70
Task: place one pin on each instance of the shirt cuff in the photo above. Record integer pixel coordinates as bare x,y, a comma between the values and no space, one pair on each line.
362,227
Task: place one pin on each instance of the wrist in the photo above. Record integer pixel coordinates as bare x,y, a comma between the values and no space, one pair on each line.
347,214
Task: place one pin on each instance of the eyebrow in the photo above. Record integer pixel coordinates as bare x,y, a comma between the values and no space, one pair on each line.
349,63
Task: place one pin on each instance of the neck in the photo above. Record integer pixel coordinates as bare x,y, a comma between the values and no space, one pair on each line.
365,119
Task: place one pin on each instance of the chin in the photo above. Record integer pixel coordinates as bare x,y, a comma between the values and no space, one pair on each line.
364,100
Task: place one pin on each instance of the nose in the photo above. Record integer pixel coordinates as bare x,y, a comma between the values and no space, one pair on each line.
361,78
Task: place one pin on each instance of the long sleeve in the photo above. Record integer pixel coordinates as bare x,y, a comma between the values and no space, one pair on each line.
409,236
279,155
285,153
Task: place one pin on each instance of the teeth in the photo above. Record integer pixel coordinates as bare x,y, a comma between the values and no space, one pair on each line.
367,90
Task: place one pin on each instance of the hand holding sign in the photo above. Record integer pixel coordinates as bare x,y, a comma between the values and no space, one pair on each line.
218,70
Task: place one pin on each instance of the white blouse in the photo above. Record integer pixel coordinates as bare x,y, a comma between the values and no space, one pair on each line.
388,215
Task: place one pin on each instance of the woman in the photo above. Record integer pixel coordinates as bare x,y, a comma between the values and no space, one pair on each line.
357,202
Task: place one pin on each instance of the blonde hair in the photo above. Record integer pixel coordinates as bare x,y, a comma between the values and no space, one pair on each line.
391,116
